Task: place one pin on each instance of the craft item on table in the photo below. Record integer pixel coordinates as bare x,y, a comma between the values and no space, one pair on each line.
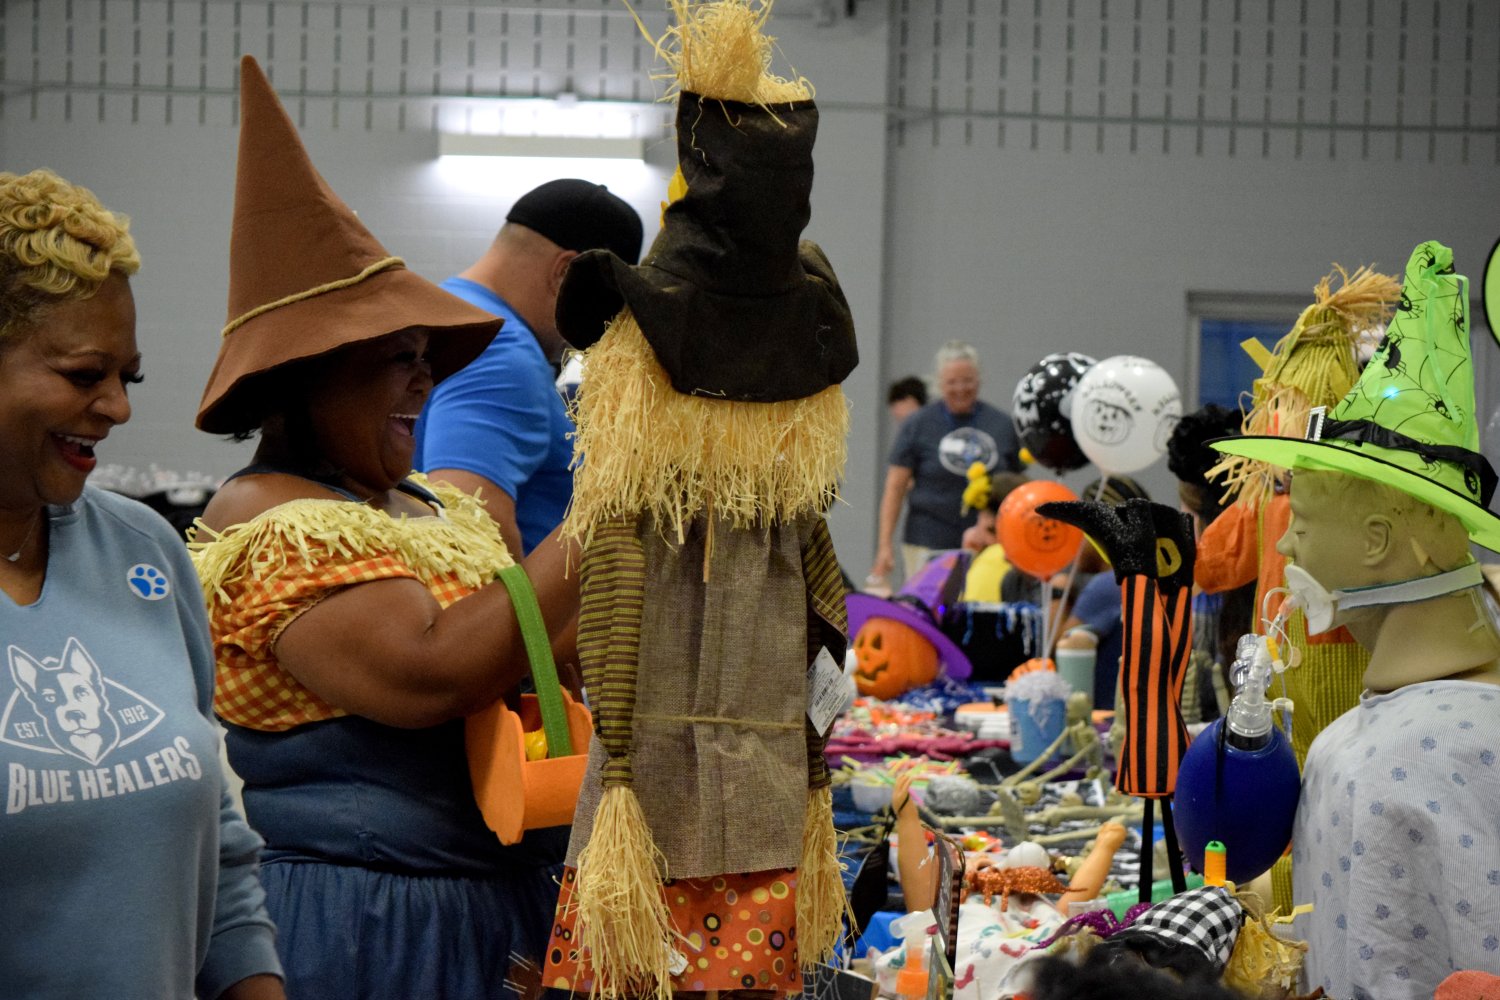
1151,549
914,977
984,719
871,790
1192,934
979,841
938,744
917,645
1086,880
943,696
994,636
1037,701
1101,923
1042,408
892,657
1239,784
991,946
1215,871
952,794
1263,965
715,434
998,881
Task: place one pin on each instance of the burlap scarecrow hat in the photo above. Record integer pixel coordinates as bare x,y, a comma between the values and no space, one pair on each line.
733,303
1410,420
306,277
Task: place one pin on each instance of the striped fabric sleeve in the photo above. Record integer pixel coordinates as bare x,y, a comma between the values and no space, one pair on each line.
1155,736
612,595
827,627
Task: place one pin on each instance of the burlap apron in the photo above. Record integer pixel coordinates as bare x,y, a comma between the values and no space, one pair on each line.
719,753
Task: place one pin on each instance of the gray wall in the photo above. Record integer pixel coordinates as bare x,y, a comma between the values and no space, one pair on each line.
1029,176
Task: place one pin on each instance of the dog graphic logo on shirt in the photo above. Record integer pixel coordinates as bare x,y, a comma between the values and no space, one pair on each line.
66,705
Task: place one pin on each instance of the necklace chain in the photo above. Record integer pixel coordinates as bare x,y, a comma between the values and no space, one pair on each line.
25,541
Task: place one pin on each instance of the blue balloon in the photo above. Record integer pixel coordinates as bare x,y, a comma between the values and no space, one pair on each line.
1245,799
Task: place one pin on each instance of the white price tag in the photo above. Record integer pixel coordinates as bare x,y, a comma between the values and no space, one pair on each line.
829,692
679,963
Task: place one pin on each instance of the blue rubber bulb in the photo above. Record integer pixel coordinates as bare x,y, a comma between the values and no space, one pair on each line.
1245,799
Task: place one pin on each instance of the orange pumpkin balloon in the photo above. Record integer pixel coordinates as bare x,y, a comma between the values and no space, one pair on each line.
892,658
1035,544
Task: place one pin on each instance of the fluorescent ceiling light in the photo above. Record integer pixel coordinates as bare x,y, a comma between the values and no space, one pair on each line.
581,147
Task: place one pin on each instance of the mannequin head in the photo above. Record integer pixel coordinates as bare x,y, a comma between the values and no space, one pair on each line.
1348,532
1351,532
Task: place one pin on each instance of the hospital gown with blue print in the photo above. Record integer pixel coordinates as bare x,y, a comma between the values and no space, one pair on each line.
1397,842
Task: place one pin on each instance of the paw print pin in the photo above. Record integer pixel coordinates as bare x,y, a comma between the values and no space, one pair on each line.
148,582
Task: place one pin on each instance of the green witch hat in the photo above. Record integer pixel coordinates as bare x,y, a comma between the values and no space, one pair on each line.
1410,420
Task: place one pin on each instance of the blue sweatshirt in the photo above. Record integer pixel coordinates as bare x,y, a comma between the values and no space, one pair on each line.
125,871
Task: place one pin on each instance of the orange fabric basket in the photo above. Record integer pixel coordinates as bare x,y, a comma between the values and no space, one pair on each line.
515,794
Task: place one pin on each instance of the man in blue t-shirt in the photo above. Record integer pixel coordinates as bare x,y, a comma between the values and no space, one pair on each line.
499,427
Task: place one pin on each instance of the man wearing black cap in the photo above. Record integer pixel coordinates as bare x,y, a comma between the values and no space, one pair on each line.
500,425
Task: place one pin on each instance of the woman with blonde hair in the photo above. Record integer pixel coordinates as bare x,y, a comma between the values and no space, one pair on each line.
129,873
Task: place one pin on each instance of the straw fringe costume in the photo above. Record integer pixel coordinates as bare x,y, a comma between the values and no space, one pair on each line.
374,843
711,437
1313,365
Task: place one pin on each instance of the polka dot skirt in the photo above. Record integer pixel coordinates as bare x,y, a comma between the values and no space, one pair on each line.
738,932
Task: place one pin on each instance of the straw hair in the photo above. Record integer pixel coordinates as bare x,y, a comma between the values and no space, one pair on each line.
1262,963
720,50
623,922
643,448
822,903
1313,365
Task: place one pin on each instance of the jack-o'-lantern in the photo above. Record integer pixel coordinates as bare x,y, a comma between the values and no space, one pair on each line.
892,658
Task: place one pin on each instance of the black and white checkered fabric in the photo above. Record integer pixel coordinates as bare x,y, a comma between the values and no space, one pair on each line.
1208,918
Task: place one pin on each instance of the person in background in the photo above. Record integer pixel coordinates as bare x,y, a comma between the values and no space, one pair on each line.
128,872
905,397
357,617
930,460
1218,619
989,569
1095,618
500,428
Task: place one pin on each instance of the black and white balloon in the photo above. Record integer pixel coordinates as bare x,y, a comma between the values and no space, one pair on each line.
1042,410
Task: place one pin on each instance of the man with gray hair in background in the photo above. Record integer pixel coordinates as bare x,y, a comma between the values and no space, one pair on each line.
930,460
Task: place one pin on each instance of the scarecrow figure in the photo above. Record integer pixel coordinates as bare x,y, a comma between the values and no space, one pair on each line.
1313,365
711,436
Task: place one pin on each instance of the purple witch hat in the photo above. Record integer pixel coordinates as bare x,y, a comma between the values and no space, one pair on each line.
915,606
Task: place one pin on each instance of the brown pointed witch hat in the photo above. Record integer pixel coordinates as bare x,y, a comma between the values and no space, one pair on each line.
306,277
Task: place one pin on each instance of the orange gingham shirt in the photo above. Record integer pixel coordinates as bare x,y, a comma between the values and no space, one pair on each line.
251,689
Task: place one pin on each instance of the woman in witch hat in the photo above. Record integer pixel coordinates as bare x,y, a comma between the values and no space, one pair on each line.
354,615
